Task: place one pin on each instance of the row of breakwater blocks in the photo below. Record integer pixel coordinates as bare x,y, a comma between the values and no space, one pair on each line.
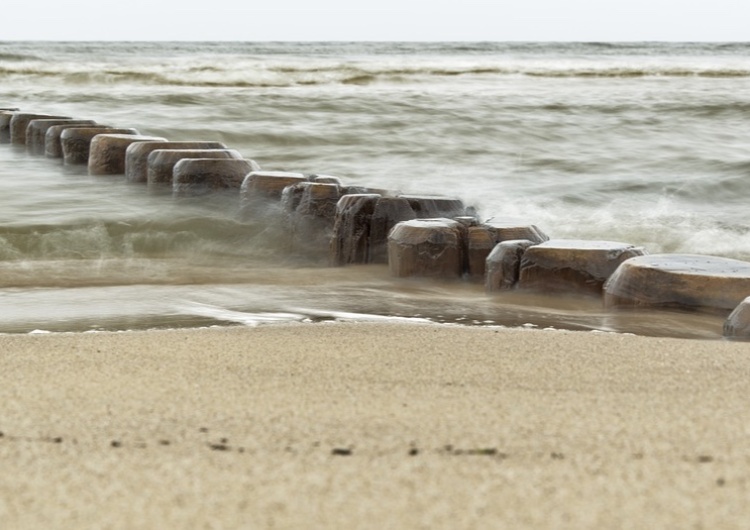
417,236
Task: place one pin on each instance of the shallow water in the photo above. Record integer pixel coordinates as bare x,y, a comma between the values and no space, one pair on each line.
640,143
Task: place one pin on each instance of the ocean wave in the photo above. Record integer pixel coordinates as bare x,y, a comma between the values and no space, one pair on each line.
29,71
139,238
632,72
532,69
252,75
17,57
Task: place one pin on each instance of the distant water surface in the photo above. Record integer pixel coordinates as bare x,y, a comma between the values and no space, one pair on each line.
642,143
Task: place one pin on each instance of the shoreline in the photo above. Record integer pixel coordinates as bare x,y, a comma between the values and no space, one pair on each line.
306,294
361,425
577,267
240,320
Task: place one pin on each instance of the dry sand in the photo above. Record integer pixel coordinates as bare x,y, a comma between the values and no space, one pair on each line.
372,426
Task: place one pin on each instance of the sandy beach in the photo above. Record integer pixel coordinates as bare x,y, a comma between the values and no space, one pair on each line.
355,425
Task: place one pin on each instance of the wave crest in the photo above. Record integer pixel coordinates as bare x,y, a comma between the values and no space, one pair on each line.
256,75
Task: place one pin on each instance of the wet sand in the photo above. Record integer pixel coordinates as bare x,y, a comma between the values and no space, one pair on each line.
372,426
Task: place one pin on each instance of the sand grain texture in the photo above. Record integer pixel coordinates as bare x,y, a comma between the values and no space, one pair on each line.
372,426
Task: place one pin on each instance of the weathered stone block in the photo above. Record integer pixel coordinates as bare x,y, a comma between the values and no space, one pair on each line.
389,211
197,176
368,190
263,189
319,200
291,196
572,264
426,247
433,206
503,266
362,225
52,143
483,237
313,218
161,162
510,228
686,281
76,142
5,117
351,190
20,121
36,132
136,155
350,242
325,179
107,156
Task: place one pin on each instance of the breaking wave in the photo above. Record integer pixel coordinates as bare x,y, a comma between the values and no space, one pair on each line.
244,73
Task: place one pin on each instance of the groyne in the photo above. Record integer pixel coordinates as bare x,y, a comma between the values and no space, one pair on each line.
417,235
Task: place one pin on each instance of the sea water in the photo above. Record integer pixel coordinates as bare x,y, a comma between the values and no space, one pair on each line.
643,143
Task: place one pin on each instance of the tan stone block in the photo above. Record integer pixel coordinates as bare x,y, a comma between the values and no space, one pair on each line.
76,142
36,132
262,189
136,155
5,117
312,220
107,152
435,206
197,176
325,179
52,143
508,229
503,266
426,247
350,242
319,200
573,264
362,225
20,121
389,211
685,281
483,237
369,190
161,162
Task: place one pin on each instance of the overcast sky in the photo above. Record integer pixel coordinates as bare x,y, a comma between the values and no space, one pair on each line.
494,20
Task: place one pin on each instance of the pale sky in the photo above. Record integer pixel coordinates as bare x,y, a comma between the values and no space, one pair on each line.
386,20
